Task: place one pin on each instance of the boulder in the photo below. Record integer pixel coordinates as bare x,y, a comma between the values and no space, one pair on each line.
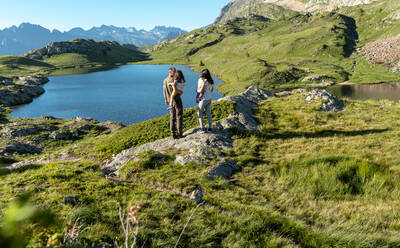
315,78
329,101
225,169
63,135
83,119
197,194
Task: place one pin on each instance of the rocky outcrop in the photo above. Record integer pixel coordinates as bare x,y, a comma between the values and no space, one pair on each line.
18,148
198,146
274,9
81,46
246,8
384,51
22,91
329,102
25,136
395,15
315,78
329,5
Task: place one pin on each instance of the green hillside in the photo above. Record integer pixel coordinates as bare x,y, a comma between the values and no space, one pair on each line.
267,53
279,53
11,65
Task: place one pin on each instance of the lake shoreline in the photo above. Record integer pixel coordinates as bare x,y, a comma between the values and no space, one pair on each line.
126,88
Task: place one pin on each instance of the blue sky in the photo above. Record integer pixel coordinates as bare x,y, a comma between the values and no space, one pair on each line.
141,14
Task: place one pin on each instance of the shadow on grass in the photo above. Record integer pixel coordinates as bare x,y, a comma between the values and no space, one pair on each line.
318,134
20,170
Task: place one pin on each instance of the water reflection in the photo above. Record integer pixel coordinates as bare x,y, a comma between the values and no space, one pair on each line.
389,91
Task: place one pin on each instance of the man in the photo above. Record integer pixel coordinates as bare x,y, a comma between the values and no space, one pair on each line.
176,118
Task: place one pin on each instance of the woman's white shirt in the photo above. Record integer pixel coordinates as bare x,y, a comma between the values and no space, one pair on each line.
208,88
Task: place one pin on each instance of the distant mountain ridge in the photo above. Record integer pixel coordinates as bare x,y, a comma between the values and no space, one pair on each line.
18,40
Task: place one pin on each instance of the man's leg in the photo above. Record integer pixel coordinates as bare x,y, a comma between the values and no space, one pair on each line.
172,120
179,114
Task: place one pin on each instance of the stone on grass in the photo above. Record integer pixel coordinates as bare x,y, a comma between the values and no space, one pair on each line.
225,169
329,101
197,194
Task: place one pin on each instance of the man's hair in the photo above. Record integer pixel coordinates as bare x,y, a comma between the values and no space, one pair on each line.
172,69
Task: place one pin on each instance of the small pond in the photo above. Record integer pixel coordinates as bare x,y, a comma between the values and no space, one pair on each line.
388,91
129,94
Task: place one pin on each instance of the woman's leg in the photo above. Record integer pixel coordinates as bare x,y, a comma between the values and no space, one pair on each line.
200,113
208,112
174,93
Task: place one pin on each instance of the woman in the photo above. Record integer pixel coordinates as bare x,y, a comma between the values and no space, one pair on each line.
204,89
177,86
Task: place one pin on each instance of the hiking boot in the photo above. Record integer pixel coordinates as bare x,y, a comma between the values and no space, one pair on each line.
209,129
203,130
174,135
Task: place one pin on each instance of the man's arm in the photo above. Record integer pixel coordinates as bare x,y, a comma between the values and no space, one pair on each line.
165,93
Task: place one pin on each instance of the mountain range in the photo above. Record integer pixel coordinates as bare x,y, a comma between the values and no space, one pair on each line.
25,37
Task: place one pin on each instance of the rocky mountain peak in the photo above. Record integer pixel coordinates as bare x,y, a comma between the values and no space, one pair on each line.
274,9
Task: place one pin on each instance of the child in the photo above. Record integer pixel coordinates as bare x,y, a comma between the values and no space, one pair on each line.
178,85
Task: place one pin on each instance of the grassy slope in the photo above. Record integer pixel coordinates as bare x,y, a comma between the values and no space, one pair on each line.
267,56
15,65
309,179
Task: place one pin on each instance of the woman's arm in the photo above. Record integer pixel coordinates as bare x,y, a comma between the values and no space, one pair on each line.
200,89
175,90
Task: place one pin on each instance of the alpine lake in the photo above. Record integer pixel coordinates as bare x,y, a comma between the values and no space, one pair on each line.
128,94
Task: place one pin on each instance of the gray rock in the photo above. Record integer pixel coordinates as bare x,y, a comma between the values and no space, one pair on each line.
13,132
56,135
197,194
225,169
83,119
22,91
329,101
71,200
315,78
32,80
18,148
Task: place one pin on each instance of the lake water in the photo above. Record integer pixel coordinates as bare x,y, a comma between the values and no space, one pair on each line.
129,94
389,91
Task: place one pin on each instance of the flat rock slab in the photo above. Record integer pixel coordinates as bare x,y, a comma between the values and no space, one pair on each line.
196,145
